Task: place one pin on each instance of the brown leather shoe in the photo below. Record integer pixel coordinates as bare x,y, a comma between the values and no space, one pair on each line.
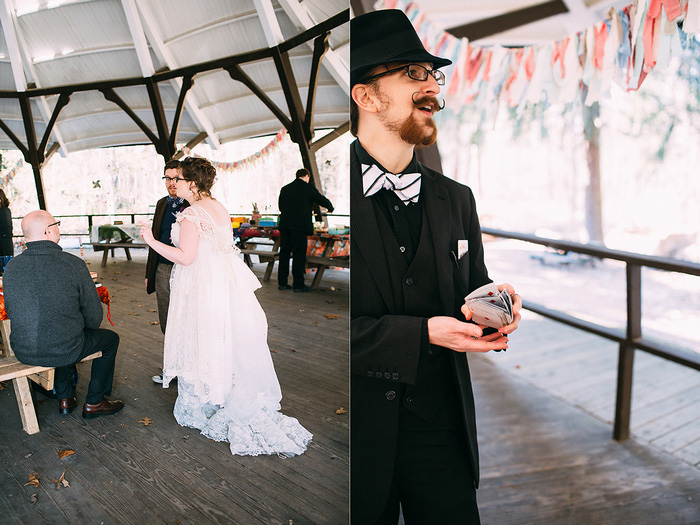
66,406
103,408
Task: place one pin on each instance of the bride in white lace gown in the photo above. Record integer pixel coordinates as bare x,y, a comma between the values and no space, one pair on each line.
216,335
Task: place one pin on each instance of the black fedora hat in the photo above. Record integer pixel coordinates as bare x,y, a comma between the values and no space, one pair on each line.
382,37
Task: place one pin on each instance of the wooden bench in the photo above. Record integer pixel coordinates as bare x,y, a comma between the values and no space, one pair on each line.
321,263
249,246
106,246
20,374
268,257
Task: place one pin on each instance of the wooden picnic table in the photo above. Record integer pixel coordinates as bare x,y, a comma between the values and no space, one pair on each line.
112,236
323,250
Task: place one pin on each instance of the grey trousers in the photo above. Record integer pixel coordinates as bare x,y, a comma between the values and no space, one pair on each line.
163,292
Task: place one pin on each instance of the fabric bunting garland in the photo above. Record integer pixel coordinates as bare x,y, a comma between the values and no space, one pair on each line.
248,161
624,48
7,177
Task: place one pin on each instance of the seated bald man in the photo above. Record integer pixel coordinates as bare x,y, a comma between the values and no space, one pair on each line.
55,314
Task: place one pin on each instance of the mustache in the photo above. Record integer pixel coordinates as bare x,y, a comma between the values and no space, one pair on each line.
422,100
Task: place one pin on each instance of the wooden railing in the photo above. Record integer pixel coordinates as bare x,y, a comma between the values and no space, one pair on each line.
630,339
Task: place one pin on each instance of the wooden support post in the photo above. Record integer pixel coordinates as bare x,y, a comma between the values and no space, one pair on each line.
625,366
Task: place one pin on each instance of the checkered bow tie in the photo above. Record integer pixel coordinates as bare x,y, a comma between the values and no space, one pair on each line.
406,186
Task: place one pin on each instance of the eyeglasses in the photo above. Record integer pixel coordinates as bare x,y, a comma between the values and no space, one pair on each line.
415,71
57,223
172,179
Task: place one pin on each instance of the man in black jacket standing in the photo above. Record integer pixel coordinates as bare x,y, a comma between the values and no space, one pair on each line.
56,313
158,268
295,203
416,253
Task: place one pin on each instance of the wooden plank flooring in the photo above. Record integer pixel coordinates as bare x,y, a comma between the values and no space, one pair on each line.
544,412
581,369
126,472
544,461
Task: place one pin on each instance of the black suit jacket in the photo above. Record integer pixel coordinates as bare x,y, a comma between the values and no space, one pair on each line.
382,338
152,261
295,203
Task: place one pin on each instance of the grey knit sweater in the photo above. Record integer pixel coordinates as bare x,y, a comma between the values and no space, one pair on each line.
50,299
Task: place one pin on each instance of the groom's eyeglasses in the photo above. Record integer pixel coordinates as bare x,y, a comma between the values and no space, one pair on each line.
172,179
414,71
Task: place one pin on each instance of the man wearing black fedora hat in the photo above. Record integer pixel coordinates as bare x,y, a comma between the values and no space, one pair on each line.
416,253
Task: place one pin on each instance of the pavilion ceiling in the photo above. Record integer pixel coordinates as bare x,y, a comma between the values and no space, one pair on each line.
48,44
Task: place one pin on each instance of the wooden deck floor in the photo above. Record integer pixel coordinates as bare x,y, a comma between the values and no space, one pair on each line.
547,453
124,471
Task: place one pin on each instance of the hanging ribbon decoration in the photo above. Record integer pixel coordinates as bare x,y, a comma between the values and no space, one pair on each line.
624,48
7,177
248,161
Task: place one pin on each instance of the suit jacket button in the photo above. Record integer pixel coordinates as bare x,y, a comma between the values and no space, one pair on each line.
409,399
409,281
378,375
387,375
390,395
395,376
370,373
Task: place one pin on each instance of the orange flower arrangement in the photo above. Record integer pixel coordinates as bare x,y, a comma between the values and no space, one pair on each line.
104,297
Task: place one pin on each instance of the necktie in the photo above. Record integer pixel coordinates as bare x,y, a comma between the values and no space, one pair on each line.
406,186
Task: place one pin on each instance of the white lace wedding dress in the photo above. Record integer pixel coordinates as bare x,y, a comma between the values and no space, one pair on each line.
216,345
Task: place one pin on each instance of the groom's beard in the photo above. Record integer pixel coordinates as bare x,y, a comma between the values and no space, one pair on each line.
415,129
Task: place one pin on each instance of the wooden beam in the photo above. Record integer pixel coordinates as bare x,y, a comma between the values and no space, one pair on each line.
320,48
501,23
268,20
166,57
15,140
139,38
298,14
110,95
297,131
191,144
159,117
32,156
184,88
330,137
63,99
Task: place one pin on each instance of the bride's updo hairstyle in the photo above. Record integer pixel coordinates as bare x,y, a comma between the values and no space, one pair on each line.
201,172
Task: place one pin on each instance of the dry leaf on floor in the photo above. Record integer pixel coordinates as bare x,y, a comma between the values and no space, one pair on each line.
154,322
64,453
293,350
332,316
146,421
273,351
62,481
33,480
341,410
2,386
152,310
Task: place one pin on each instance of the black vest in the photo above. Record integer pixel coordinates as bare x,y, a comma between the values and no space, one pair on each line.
434,398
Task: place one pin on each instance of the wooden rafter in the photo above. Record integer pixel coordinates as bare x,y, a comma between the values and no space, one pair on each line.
498,24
